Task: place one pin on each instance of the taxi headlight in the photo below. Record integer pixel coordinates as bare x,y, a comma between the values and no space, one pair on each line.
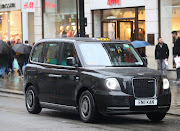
165,83
112,84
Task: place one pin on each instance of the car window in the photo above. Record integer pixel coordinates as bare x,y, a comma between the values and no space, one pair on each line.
51,53
68,51
110,54
37,53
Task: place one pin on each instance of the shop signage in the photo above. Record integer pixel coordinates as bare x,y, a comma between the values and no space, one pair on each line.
28,5
51,5
113,2
9,5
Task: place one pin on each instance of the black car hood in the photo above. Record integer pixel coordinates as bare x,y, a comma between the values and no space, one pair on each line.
127,72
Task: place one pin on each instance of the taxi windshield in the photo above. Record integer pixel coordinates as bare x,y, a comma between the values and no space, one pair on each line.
109,55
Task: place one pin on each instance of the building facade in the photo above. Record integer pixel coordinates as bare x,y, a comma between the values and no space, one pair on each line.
117,19
136,20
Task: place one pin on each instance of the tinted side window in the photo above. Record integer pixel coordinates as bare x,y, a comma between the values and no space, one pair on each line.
68,51
37,53
51,53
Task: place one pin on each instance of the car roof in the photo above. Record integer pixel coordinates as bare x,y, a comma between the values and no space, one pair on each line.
80,39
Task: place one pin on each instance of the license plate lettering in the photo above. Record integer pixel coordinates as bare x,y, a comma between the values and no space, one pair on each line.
145,102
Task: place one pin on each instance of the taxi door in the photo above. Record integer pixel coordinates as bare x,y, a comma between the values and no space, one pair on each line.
47,78
68,76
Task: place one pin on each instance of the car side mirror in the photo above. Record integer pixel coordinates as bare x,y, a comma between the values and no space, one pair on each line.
70,61
145,60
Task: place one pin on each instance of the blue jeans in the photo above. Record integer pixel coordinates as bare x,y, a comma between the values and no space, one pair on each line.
2,70
162,67
178,73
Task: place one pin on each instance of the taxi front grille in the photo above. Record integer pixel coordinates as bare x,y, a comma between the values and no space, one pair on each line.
144,88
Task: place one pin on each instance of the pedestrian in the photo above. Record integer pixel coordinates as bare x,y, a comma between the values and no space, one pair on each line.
176,52
21,58
27,55
3,64
162,55
11,56
18,41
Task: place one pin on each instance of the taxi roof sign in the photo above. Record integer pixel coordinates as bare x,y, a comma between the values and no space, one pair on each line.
103,39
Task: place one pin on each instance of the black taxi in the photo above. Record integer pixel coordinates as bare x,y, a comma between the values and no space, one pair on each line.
95,76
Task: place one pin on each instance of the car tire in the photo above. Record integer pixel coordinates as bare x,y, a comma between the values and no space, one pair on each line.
32,101
87,108
156,116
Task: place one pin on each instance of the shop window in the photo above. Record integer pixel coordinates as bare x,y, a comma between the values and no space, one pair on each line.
60,18
10,26
119,13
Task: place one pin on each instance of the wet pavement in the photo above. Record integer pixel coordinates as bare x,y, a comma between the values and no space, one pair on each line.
14,117
14,83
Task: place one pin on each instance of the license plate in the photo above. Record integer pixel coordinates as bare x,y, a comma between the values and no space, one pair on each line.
147,102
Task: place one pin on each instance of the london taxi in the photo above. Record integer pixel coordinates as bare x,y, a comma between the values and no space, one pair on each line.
93,76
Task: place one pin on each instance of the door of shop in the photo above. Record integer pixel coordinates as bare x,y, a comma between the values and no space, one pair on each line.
116,29
124,30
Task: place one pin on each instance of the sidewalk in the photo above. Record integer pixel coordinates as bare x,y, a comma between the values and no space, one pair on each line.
13,84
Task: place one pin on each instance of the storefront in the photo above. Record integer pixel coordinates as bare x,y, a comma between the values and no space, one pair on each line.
59,18
118,19
10,21
123,23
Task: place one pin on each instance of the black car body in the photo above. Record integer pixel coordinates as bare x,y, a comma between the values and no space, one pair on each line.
93,89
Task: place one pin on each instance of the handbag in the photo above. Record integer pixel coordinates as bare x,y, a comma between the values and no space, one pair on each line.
15,64
177,61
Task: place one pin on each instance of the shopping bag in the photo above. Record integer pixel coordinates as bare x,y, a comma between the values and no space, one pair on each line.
166,63
177,61
15,64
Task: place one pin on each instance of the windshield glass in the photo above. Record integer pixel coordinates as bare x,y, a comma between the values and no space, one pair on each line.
109,54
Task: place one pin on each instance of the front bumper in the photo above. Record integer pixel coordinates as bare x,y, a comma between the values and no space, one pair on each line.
117,102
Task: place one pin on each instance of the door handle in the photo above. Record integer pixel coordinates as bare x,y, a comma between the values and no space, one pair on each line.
56,76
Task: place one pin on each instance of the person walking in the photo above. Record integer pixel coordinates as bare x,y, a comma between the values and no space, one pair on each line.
162,55
176,52
10,58
27,55
3,64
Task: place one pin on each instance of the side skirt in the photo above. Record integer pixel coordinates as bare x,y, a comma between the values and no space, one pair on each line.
58,107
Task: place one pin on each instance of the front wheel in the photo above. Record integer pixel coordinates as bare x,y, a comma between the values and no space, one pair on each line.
32,101
87,110
156,116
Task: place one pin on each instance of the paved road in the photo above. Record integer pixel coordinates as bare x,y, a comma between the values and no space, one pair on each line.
14,117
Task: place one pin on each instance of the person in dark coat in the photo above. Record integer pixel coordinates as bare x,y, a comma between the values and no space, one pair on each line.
27,55
21,58
162,55
11,57
3,64
176,50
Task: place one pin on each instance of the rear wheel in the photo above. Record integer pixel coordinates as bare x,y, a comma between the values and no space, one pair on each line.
156,116
87,109
32,101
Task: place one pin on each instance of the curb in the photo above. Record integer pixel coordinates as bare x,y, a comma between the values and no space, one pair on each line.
11,91
173,114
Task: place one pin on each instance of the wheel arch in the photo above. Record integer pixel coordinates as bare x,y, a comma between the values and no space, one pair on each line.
30,84
80,91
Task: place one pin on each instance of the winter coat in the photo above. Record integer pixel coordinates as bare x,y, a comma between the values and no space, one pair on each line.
3,59
161,53
177,47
